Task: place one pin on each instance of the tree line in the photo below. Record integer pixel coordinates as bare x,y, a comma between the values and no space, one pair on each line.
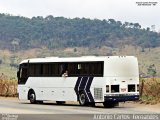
17,32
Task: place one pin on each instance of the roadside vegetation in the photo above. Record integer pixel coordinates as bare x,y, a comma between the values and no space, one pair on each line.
8,88
150,90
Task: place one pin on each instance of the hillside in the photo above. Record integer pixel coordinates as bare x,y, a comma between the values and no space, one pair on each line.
19,33
22,38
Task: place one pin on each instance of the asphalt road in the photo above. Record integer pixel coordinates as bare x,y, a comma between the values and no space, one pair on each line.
23,110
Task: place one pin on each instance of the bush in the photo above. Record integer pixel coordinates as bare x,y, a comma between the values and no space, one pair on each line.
8,87
151,90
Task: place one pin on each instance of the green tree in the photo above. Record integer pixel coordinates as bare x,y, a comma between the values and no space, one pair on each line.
152,70
59,32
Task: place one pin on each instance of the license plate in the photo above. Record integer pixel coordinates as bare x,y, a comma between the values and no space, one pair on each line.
123,89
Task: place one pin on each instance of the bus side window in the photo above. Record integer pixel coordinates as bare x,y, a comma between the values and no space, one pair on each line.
23,73
79,67
63,68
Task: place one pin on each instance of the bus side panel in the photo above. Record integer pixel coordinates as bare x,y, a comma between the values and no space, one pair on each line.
63,89
53,88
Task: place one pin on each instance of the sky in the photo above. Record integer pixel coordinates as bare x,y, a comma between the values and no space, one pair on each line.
120,10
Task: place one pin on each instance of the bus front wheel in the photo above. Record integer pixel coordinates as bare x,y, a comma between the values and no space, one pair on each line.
32,97
82,99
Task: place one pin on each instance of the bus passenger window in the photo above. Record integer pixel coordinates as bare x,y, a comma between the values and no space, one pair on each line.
79,66
64,68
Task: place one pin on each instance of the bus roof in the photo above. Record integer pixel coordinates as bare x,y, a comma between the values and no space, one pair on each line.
73,59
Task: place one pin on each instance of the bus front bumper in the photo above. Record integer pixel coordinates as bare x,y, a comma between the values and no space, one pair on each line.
121,98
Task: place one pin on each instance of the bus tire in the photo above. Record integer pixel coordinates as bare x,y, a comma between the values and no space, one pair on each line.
32,97
82,99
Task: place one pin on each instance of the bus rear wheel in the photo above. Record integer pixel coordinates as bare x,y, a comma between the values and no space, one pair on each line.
82,99
32,97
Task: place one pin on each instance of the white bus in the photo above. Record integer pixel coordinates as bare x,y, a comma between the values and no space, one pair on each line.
87,79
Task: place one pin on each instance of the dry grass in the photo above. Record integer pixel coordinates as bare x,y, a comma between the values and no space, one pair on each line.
8,88
150,91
